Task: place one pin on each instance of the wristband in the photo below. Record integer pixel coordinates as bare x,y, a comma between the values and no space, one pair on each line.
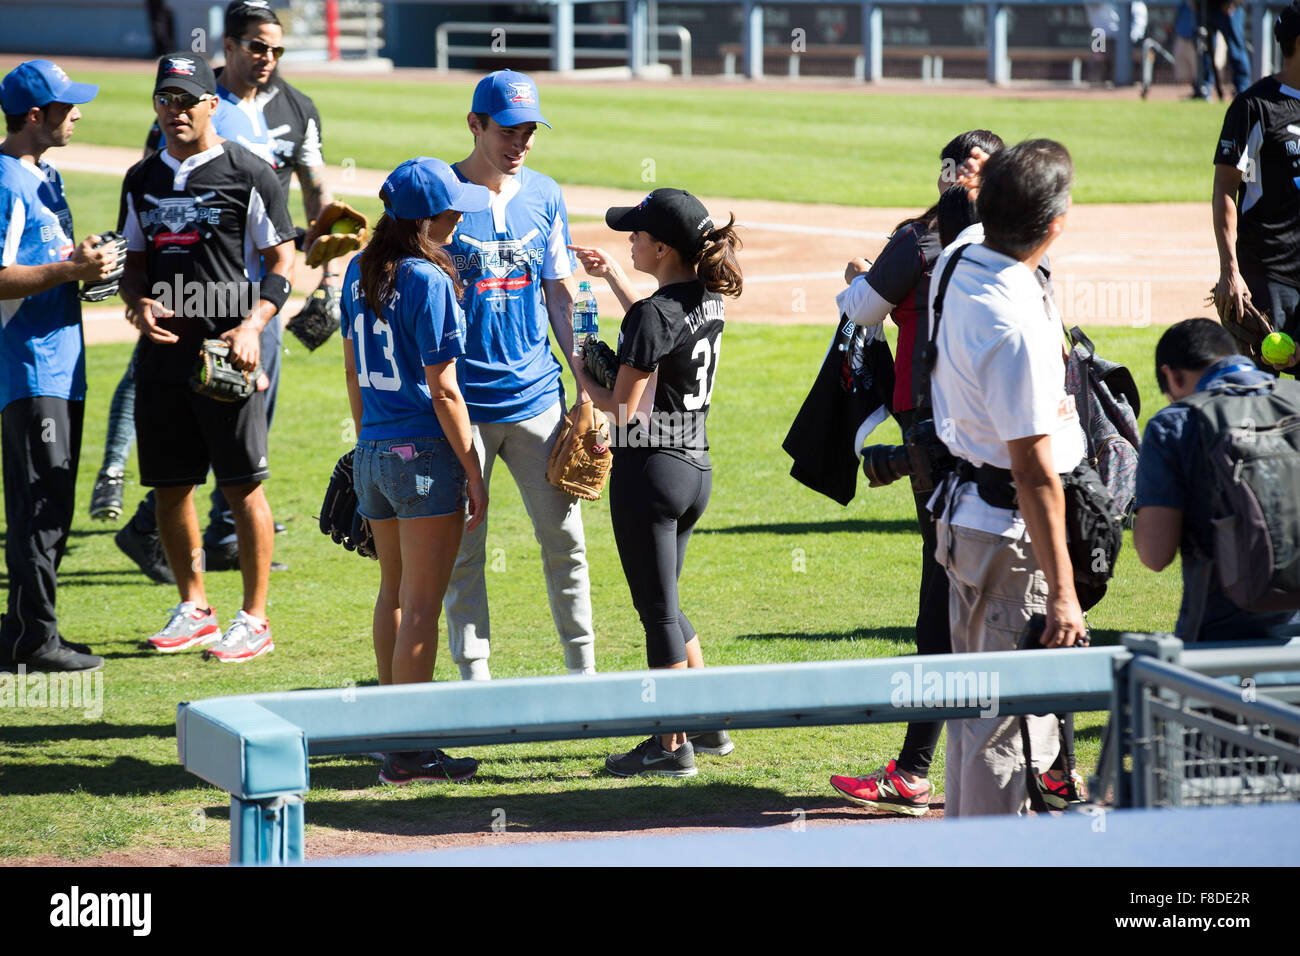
275,289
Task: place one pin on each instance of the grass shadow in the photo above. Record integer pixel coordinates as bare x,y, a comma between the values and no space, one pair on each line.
846,526
122,776
47,733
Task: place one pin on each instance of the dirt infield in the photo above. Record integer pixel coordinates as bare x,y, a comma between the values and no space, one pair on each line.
1116,264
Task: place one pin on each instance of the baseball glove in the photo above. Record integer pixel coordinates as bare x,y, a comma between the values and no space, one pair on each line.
101,289
580,459
326,239
600,360
339,517
1249,328
216,377
319,318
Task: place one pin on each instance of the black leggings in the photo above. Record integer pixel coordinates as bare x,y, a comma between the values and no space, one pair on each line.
655,498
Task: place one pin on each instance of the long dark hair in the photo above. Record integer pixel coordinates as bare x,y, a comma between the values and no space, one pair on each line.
716,264
393,241
951,157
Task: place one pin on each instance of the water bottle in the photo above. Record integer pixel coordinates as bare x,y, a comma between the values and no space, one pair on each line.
584,316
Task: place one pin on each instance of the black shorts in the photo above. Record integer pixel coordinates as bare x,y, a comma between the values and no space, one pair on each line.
179,435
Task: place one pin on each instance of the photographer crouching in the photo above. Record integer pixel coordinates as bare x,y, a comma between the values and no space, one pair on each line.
1001,406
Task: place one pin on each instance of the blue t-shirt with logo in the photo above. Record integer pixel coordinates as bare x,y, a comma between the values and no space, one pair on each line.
42,348
425,326
1173,473
502,254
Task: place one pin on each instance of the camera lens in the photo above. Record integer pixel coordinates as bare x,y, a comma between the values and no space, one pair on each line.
885,464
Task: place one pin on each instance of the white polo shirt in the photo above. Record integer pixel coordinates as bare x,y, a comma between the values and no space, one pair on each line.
1000,373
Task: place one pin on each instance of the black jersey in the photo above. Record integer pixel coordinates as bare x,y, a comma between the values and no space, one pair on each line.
1261,137
201,224
676,334
284,128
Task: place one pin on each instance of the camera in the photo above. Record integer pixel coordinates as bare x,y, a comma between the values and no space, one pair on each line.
922,457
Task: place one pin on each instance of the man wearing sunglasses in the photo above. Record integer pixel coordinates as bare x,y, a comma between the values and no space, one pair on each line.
207,216
259,110
42,360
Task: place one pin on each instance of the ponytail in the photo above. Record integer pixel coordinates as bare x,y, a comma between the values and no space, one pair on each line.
717,266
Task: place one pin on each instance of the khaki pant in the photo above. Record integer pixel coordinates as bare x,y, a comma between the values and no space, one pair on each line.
994,587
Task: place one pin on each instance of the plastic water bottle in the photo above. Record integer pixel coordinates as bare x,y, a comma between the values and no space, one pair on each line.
584,316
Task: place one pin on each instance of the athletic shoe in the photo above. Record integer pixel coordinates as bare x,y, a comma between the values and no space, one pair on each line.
1058,796
106,499
60,658
408,767
650,758
243,640
146,551
886,790
187,626
74,646
225,557
279,528
716,743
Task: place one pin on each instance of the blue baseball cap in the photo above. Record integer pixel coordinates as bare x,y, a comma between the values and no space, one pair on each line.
508,97
38,82
424,187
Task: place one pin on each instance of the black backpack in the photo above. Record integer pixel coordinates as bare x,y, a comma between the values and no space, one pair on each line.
1250,436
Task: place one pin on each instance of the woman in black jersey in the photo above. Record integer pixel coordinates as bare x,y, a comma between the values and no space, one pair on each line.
668,358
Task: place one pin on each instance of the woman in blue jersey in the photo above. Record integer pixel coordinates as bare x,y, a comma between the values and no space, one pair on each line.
414,464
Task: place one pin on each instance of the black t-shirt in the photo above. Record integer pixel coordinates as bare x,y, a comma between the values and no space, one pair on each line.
201,224
901,274
676,333
1261,137
292,126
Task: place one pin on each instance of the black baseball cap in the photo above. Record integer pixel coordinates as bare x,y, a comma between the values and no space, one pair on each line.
185,71
1287,25
672,216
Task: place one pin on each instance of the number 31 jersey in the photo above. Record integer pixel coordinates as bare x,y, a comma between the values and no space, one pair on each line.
676,334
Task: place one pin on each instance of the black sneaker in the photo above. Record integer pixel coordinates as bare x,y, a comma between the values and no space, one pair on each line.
74,646
225,557
651,758
715,743
61,658
145,550
400,768
106,498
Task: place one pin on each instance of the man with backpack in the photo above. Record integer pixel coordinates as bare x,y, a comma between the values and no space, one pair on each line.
1217,479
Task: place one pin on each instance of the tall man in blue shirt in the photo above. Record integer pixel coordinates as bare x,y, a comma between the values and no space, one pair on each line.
518,279
42,359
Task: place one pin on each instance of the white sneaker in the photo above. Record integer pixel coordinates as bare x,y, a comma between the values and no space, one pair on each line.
187,626
245,639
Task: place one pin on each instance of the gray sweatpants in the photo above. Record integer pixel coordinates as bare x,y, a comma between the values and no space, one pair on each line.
995,585
525,447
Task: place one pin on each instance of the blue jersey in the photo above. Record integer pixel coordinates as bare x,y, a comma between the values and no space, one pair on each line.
425,326
503,253
42,348
245,124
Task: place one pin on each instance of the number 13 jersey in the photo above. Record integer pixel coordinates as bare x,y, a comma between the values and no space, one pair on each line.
676,334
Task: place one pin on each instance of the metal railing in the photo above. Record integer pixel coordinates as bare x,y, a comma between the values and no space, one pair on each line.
499,32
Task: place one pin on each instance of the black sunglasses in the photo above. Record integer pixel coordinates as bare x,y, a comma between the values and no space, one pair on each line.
186,101
259,48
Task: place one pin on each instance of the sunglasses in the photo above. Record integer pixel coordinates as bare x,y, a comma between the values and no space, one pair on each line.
186,101
258,48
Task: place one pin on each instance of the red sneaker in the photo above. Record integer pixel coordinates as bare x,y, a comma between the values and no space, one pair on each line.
244,640
187,625
886,790
1058,796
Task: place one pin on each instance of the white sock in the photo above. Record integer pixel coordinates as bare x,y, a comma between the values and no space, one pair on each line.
581,671
475,670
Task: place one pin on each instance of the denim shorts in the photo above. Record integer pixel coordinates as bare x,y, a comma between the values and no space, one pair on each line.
422,479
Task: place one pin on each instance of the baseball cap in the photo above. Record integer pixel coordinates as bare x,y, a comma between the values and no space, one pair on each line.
424,187
38,82
185,71
1287,25
508,97
672,216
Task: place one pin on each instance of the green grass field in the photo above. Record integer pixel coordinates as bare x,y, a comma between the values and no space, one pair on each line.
775,573
76,787
868,149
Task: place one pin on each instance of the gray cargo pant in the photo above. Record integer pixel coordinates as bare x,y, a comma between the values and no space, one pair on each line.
525,447
995,585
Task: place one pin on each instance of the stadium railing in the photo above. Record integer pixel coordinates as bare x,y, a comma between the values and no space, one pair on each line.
256,747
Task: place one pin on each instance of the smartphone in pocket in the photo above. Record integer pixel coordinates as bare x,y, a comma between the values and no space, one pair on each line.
405,452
